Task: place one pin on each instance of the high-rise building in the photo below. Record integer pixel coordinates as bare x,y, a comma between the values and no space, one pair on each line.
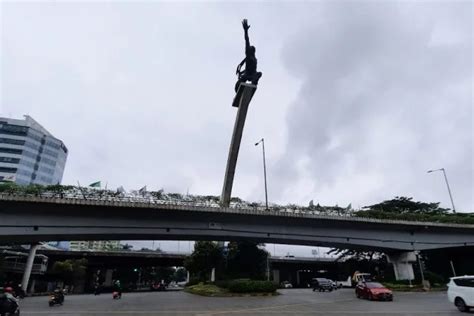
95,245
29,154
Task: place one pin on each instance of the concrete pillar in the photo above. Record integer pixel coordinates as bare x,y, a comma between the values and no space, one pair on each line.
32,286
403,265
213,275
276,276
29,267
298,278
242,100
109,273
187,277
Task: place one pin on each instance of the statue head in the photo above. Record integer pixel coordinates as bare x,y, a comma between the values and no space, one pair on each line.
252,49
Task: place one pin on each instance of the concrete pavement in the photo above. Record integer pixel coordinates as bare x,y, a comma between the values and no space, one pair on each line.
290,302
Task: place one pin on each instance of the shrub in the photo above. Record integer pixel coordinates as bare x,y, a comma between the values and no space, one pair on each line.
193,281
434,278
206,290
223,283
251,286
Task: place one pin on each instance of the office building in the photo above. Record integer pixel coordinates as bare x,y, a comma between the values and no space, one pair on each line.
94,245
29,154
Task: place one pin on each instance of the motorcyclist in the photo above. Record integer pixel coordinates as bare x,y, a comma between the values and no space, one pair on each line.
20,293
118,288
58,295
8,302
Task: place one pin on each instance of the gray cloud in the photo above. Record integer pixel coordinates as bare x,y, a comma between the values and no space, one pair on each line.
386,94
357,101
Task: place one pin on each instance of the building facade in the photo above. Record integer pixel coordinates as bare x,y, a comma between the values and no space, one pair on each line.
94,245
29,154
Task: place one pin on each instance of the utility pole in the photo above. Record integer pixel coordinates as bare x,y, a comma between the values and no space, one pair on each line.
447,184
264,170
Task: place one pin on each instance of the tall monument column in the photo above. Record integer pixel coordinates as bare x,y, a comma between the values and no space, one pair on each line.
244,93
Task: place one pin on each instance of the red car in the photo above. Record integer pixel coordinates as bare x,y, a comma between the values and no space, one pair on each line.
373,291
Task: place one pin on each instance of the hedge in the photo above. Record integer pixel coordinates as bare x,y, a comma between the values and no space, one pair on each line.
251,286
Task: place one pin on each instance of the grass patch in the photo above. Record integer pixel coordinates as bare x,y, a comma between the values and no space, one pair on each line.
207,290
215,291
414,288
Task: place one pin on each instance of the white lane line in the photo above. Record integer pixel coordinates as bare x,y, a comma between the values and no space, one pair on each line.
249,311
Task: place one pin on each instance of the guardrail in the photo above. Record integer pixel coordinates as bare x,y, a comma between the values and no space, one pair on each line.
173,202
19,267
209,206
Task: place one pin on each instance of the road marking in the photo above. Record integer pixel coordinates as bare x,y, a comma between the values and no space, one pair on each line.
244,311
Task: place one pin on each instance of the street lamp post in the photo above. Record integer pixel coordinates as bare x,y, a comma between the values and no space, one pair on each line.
264,170
447,184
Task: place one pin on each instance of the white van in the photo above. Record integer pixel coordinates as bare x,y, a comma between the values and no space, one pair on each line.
461,292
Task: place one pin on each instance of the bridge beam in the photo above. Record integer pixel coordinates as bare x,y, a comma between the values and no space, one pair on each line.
403,264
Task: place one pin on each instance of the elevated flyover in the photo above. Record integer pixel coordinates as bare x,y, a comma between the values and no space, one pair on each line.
27,219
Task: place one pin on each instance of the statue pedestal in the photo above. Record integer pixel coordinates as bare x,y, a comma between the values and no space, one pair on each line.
248,89
241,101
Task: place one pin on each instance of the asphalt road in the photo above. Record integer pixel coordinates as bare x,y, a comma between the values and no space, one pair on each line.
290,302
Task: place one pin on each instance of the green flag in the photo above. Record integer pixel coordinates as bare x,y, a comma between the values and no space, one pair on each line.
95,184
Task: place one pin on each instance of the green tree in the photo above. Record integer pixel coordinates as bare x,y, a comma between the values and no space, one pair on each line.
246,259
180,275
403,208
126,247
206,255
10,188
406,205
70,271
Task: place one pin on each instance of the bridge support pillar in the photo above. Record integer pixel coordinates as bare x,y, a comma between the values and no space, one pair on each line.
276,276
403,264
29,267
213,275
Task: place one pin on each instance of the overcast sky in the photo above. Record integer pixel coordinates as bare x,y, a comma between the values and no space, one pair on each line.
357,100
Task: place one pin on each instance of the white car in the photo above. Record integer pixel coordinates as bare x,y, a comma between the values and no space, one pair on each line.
461,292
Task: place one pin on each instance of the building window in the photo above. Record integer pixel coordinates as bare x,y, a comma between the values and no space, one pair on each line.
11,151
51,153
11,141
9,160
48,161
8,170
34,136
32,145
29,154
14,130
24,173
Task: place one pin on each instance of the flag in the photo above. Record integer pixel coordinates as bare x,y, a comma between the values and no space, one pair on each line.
349,206
142,190
311,203
95,184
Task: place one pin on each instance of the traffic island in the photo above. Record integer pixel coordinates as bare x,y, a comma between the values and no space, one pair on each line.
397,287
234,288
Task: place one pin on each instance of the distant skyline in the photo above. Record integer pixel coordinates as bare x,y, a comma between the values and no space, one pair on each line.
357,100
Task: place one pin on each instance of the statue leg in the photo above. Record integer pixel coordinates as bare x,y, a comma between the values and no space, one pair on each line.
256,78
243,78
237,84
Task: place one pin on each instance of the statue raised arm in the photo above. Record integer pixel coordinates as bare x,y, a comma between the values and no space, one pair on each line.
250,72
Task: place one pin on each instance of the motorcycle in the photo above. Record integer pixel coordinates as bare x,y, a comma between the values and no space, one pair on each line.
116,295
8,307
56,299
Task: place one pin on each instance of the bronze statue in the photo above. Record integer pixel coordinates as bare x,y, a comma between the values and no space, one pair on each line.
250,72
